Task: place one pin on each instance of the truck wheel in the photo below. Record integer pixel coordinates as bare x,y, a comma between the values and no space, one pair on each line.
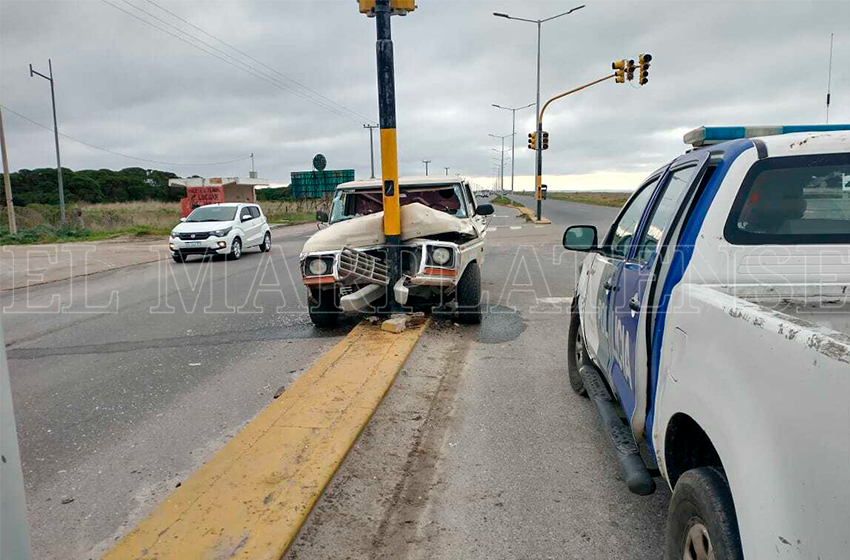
469,295
576,353
323,309
701,522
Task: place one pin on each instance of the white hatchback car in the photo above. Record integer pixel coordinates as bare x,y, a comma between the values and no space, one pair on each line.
221,229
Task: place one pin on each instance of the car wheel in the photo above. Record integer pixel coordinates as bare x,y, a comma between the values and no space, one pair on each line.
236,249
324,310
469,295
267,243
701,522
179,257
576,352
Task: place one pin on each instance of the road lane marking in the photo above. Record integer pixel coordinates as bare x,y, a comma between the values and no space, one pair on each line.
516,227
252,497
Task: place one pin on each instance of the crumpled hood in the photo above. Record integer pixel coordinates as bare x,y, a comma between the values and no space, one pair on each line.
417,220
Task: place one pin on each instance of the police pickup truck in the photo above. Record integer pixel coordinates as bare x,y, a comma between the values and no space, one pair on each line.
711,329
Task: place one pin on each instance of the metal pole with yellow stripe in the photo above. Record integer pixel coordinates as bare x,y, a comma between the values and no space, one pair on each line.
382,10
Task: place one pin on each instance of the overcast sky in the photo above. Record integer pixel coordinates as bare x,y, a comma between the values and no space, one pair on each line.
125,86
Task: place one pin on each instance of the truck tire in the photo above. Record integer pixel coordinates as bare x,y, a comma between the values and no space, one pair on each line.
576,353
469,295
701,522
324,311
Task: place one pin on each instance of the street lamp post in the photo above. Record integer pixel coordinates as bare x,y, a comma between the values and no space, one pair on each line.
502,174
371,128
539,149
49,78
513,111
427,162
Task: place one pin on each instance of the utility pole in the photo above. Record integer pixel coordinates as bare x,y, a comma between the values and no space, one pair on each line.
253,174
49,78
382,11
447,171
7,184
426,162
539,149
829,79
513,111
502,173
371,127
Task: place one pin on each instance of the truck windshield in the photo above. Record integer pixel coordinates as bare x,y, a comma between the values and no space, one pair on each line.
212,214
793,200
349,204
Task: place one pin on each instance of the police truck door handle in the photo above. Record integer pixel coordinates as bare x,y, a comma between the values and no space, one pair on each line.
634,304
609,286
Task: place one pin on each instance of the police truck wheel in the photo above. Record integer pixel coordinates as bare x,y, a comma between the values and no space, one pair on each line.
701,522
324,312
576,352
469,295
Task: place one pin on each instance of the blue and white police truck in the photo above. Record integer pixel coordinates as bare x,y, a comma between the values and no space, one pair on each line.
711,329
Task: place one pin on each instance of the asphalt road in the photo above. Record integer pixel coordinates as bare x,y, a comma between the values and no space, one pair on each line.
124,382
481,449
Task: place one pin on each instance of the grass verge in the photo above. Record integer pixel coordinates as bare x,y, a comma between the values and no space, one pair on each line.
69,234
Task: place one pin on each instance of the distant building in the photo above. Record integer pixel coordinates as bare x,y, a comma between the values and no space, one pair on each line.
200,191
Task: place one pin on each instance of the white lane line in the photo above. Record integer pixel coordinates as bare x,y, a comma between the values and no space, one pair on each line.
492,228
501,216
516,227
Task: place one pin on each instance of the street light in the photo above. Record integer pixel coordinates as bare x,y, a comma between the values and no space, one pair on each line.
502,138
513,111
539,158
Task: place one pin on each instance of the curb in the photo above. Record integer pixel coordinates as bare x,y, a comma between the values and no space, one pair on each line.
252,497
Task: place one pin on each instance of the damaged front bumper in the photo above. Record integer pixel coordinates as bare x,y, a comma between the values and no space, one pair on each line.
362,276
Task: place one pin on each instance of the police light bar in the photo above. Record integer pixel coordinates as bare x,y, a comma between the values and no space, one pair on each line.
707,135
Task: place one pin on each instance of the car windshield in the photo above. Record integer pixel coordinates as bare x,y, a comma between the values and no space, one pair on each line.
354,203
212,214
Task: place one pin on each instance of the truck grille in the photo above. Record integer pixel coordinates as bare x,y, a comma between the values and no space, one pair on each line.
362,267
194,236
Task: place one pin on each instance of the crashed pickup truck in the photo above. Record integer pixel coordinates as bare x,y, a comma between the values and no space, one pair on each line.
344,265
711,326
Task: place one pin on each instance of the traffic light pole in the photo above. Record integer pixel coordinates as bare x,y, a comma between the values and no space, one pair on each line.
389,146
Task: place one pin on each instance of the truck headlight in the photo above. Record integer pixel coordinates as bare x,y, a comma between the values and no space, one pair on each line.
441,256
318,267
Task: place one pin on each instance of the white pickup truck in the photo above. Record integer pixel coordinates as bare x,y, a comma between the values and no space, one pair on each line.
711,328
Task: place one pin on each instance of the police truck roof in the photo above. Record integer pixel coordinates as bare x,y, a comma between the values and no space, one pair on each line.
708,135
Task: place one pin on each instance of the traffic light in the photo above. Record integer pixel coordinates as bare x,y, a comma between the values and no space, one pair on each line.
544,141
619,67
543,189
643,71
397,7
630,69
532,141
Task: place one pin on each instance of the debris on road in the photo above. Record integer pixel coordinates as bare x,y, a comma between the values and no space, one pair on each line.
279,392
396,324
67,499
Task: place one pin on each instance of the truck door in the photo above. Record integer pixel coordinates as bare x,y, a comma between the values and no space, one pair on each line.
602,274
634,271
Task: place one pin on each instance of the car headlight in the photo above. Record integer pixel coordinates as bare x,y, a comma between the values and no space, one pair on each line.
441,256
318,267
174,233
221,232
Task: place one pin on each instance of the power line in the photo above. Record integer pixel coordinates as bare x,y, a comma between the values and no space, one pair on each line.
84,143
236,63
248,56
248,68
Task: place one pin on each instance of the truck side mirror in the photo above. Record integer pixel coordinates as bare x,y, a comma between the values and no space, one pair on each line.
321,216
484,209
581,238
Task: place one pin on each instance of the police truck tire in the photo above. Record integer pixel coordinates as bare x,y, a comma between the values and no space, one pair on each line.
324,312
701,520
469,295
576,352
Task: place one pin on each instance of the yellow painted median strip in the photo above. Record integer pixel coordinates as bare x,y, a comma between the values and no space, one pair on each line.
251,498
